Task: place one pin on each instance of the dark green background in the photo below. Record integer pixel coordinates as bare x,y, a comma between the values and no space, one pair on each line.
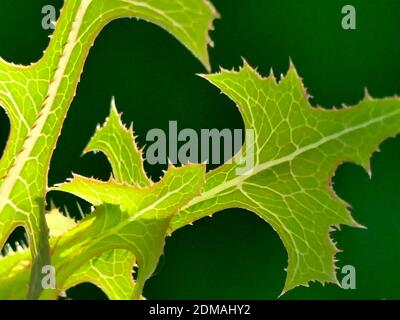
236,254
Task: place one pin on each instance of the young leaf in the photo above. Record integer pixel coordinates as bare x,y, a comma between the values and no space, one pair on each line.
14,274
119,146
37,97
128,191
297,149
112,270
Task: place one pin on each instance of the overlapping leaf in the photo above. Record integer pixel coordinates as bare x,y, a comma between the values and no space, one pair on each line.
37,97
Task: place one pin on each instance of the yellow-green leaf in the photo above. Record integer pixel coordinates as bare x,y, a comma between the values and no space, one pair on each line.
296,149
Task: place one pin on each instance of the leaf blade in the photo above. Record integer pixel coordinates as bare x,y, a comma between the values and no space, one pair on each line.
297,150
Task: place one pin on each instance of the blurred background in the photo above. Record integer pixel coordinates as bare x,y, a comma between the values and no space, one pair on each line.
235,254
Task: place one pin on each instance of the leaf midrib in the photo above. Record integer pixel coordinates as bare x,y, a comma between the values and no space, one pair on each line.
238,180
37,128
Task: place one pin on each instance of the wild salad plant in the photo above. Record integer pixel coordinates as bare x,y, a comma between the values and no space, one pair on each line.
294,150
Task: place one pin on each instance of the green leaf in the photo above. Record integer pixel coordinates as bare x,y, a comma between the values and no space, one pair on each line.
15,269
37,98
111,272
119,146
128,217
297,149
129,191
